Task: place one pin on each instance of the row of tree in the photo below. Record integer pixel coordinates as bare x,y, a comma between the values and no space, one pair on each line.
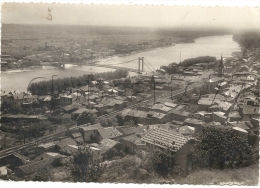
197,60
45,87
174,67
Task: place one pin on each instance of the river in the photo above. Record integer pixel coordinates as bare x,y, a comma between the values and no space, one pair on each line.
205,46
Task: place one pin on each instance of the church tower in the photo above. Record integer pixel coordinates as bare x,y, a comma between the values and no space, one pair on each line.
221,66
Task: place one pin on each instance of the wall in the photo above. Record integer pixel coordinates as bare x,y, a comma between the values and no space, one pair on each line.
182,156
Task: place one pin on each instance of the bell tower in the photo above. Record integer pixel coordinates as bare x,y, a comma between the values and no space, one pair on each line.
221,66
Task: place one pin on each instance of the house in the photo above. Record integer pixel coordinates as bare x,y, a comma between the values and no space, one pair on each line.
14,160
193,122
240,124
235,116
72,107
46,147
202,115
45,100
132,130
178,115
32,167
65,100
186,130
137,116
14,99
255,122
248,112
106,149
90,132
161,108
204,104
69,149
161,126
109,133
75,114
64,142
3,97
212,83
157,118
48,156
219,117
131,143
179,145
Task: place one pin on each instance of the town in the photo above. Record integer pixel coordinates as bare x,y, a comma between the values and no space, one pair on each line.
114,118
114,103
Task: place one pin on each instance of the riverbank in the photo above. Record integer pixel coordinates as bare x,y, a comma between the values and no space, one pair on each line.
32,68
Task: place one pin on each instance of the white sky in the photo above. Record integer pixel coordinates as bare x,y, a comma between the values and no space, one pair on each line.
131,15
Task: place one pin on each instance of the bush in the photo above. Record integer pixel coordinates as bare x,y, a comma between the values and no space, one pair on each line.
221,147
162,162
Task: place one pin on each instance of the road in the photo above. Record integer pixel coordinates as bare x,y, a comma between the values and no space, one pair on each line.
9,151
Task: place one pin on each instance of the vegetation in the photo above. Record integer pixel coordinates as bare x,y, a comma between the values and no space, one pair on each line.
86,117
220,147
85,168
190,62
45,87
197,60
162,162
248,39
239,176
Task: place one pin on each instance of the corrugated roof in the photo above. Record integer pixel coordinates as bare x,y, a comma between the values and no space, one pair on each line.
165,139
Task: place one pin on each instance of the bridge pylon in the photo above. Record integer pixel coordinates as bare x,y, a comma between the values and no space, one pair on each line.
141,64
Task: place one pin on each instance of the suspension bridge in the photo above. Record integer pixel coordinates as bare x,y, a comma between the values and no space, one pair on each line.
137,65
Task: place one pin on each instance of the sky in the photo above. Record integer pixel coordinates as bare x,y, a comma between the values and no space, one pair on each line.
130,15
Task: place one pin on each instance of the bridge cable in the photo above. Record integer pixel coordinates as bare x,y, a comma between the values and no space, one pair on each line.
150,64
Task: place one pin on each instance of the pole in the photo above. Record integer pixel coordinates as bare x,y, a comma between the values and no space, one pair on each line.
154,93
52,91
139,59
142,64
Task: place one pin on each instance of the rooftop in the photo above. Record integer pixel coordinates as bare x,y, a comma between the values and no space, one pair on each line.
109,132
91,127
165,139
67,141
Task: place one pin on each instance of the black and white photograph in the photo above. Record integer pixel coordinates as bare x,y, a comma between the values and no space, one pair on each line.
127,93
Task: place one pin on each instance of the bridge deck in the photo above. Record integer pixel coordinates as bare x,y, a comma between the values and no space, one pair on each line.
113,67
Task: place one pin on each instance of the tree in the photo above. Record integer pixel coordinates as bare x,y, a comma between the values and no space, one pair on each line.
85,168
220,147
86,117
162,161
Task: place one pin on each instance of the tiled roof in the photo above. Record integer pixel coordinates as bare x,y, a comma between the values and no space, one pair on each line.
157,115
193,121
35,166
181,113
165,139
108,142
109,132
131,130
239,124
91,127
134,138
72,106
80,111
66,141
